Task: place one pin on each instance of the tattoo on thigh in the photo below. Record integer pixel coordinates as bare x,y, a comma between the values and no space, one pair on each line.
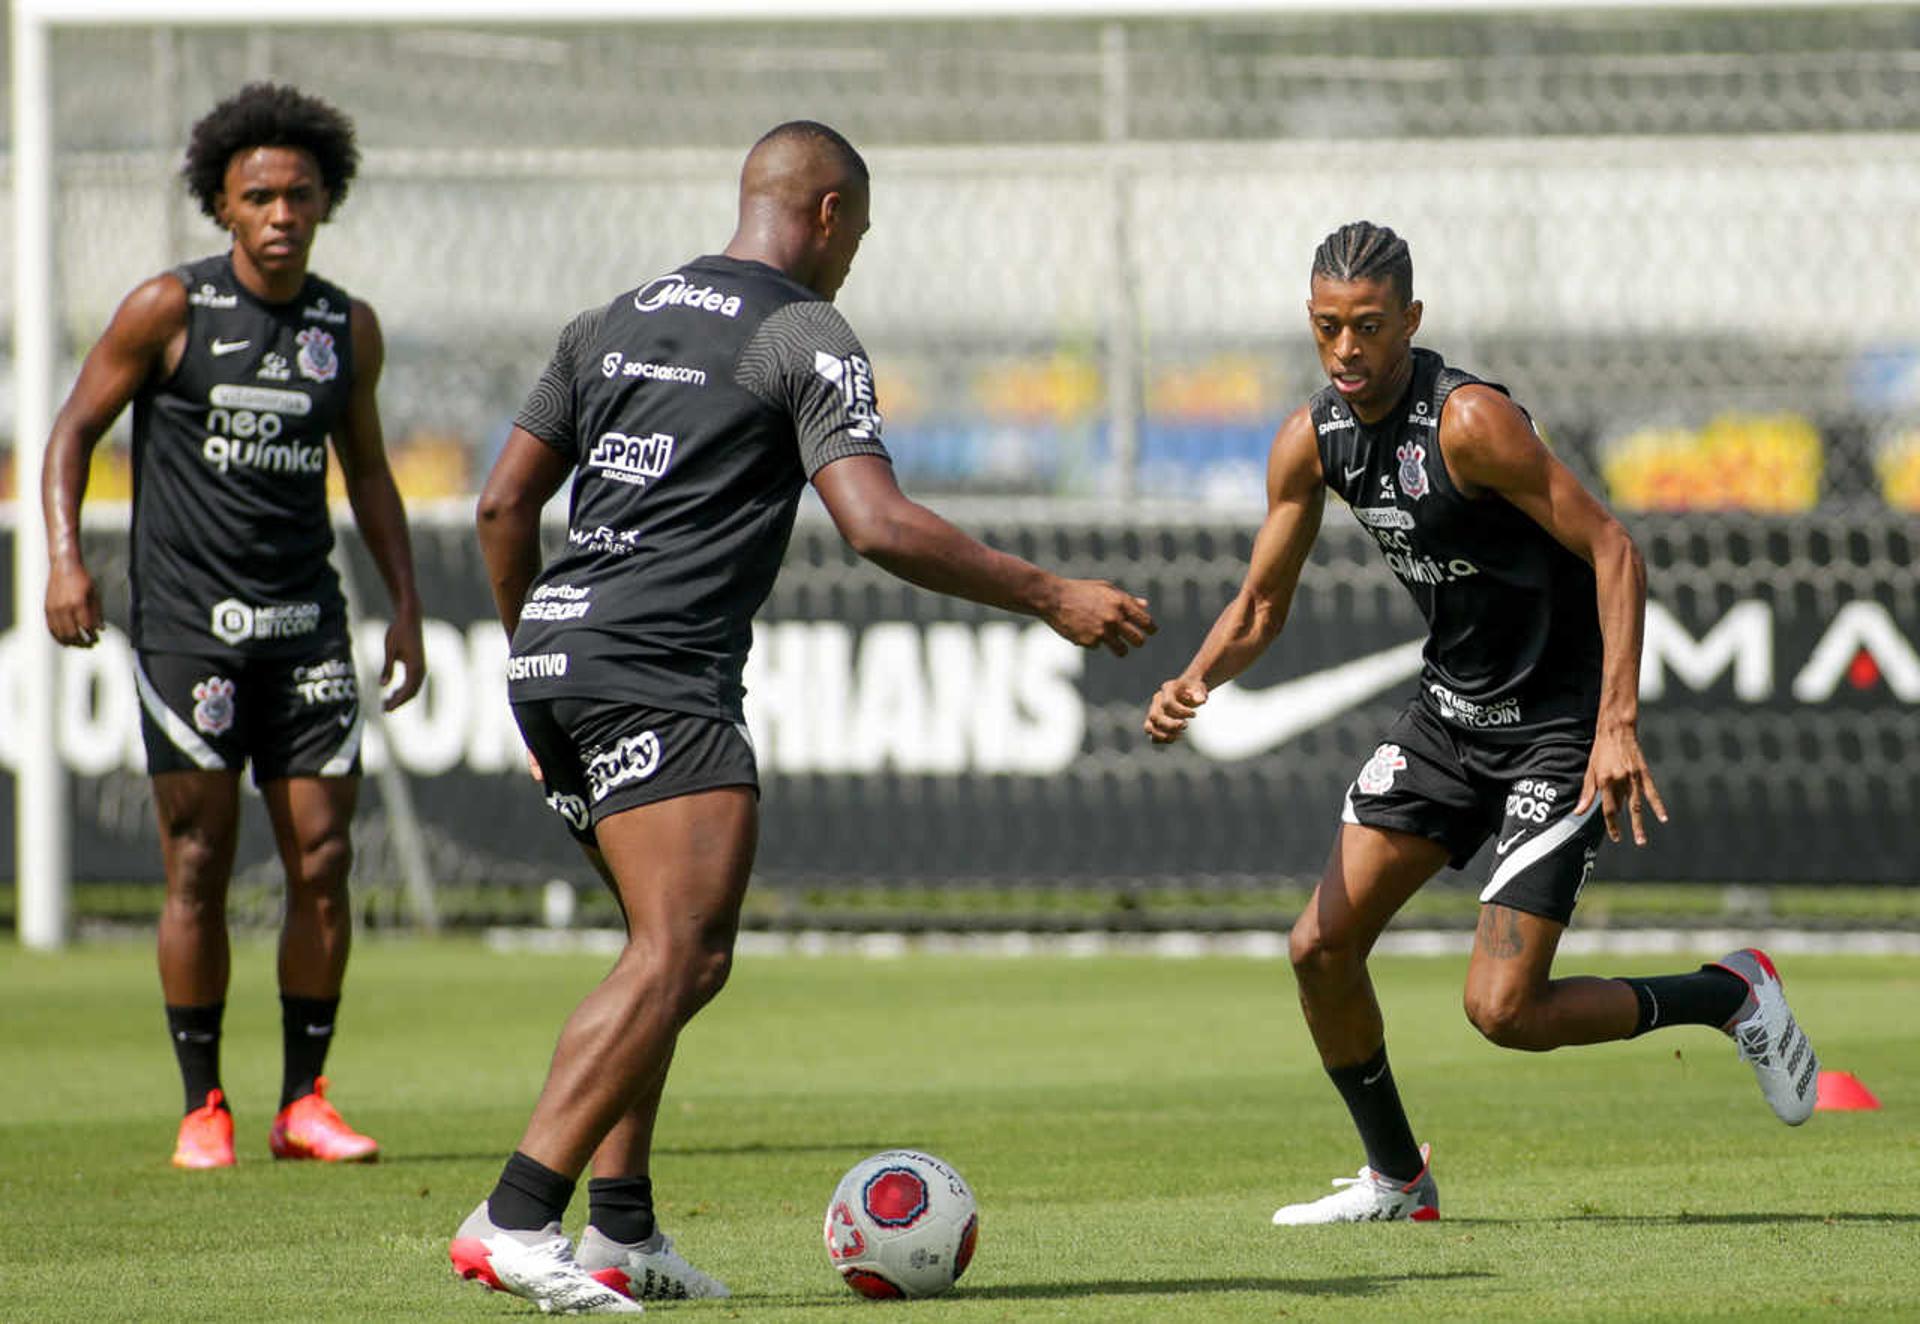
1500,932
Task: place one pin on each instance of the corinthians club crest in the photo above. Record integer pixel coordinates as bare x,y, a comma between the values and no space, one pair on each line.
213,705
317,360
1413,469
1376,777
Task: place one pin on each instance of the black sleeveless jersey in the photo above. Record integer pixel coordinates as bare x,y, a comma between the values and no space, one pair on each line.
1514,629
230,527
694,409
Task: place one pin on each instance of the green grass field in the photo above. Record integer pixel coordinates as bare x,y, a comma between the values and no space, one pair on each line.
1129,1125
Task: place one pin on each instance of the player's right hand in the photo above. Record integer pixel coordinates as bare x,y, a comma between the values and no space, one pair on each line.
1093,613
1173,706
73,607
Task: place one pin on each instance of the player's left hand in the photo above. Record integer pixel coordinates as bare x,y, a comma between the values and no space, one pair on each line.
1617,772
407,653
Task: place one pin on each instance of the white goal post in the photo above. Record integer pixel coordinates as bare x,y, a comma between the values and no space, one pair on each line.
42,825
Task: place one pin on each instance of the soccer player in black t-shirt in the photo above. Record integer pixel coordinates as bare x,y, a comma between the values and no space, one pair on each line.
1523,726
690,413
239,368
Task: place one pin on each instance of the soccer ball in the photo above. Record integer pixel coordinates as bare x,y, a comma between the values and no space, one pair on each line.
901,1223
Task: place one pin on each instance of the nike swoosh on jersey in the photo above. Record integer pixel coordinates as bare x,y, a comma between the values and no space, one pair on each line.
1502,847
220,347
1238,723
1355,473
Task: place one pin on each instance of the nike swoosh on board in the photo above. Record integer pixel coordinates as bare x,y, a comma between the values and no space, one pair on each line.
1238,723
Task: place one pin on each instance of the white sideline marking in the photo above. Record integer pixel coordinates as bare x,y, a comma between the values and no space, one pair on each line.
1259,945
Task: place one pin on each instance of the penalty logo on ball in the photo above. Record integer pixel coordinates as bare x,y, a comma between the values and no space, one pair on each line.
895,1197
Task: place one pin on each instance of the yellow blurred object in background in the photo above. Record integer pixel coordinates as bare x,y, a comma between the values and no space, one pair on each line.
1766,463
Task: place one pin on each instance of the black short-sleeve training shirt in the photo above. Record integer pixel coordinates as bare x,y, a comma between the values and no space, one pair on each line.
693,409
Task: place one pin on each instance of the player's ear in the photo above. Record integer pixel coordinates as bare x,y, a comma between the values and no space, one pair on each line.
829,214
220,217
1414,310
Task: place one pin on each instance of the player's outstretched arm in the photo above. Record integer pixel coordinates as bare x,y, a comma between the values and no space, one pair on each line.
1296,497
906,539
361,446
144,338
1490,446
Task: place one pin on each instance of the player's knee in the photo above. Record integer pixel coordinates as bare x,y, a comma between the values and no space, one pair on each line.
197,868
709,976
1505,1020
1318,954
324,864
676,979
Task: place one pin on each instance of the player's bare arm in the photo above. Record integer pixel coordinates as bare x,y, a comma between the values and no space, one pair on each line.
906,539
1296,498
507,517
377,510
146,337
1490,446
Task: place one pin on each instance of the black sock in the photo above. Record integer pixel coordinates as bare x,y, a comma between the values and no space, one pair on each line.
621,1207
1374,1102
195,1032
1708,996
306,1033
530,1195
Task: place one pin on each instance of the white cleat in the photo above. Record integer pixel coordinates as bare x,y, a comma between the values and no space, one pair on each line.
1371,1198
536,1265
1770,1040
651,1270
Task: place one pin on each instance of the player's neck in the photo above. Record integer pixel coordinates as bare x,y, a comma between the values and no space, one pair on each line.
278,286
770,248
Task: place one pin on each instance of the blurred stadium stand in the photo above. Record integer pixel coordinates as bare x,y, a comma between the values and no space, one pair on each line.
1686,240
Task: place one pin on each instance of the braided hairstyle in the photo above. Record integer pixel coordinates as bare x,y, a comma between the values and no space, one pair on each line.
1362,250
269,115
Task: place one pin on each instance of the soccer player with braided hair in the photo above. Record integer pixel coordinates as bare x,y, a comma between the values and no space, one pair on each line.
240,368
1523,728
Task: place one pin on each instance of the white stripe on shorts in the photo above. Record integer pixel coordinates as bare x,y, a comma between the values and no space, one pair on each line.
1541,846
184,738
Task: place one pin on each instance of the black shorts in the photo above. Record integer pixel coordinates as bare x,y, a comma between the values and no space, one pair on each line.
600,756
1434,782
291,717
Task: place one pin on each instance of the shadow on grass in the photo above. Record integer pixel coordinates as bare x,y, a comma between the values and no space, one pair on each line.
1689,1220
1355,1285
1364,1284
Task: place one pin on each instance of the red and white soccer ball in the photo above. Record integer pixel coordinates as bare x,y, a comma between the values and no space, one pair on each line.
901,1223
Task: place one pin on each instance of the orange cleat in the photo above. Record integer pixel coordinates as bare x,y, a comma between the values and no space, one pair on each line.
310,1128
206,1136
